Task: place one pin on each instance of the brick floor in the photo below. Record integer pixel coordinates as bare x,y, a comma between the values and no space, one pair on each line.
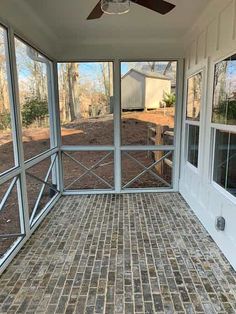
137,253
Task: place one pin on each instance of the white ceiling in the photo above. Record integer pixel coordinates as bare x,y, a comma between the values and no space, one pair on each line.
60,26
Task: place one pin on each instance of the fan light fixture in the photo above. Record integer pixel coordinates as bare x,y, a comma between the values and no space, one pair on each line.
115,6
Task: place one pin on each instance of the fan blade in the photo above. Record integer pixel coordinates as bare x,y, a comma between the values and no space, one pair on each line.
159,6
96,13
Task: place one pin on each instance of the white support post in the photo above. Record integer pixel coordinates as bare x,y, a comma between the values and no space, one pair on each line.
52,124
178,123
117,125
14,96
12,107
57,126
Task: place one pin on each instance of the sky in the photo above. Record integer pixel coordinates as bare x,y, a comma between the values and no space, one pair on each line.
231,74
90,69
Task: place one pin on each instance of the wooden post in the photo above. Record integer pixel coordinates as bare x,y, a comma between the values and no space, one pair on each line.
159,140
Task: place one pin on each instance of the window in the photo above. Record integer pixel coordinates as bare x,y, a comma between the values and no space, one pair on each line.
224,124
193,111
193,143
194,97
224,100
6,140
33,77
225,161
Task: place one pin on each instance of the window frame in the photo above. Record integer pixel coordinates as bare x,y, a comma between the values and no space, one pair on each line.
176,146
53,139
229,128
219,188
189,164
67,147
188,122
13,113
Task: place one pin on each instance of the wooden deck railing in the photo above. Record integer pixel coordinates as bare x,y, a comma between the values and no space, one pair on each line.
160,135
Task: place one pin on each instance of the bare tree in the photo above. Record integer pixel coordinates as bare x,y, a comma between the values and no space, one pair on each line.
73,84
107,83
39,79
4,99
167,68
152,66
220,71
105,79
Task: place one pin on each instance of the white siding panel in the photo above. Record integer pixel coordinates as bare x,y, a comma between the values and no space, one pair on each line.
226,27
196,185
212,37
234,21
201,46
193,51
215,205
207,200
229,210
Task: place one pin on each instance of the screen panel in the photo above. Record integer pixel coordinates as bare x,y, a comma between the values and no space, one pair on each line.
41,183
6,138
147,169
86,103
10,221
148,97
33,76
88,170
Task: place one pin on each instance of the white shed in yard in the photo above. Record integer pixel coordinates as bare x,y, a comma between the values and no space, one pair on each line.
141,90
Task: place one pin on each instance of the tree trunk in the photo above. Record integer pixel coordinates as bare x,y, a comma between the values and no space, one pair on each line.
111,78
70,92
107,78
167,68
152,66
75,89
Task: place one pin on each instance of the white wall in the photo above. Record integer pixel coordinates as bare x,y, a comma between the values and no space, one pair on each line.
212,38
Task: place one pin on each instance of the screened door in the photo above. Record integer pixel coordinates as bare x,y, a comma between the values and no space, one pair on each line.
148,132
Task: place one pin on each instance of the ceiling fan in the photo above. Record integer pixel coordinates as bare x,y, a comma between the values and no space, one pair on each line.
159,6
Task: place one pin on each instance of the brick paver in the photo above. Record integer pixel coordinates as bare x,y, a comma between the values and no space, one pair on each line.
134,253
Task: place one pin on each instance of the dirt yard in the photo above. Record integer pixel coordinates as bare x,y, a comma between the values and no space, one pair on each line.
85,132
